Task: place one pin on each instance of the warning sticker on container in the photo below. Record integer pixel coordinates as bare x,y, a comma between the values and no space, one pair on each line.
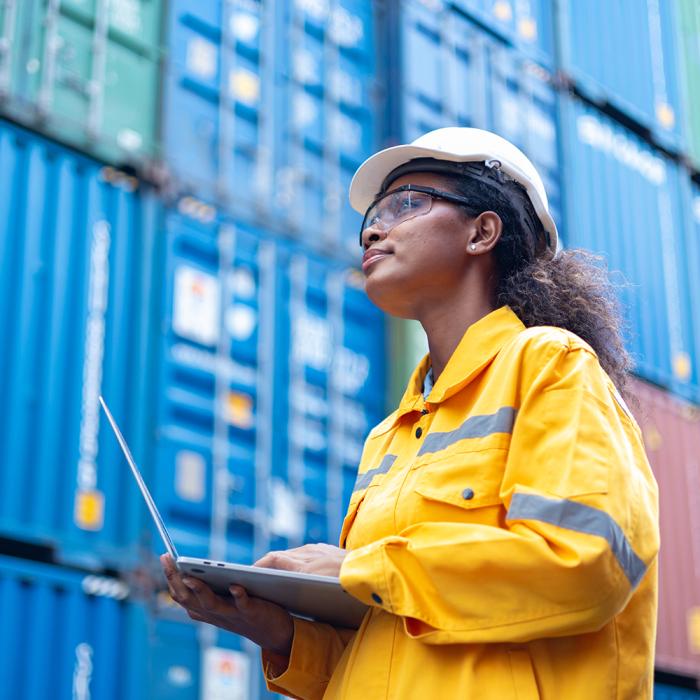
240,410
196,305
694,630
226,675
89,510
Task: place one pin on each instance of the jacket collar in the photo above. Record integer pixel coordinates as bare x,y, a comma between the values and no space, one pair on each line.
479,345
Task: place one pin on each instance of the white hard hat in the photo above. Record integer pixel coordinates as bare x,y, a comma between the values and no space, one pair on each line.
459,144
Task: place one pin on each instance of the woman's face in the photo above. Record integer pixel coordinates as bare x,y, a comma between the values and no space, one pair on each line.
422,259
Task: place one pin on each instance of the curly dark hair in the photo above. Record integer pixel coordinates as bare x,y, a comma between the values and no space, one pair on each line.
571,290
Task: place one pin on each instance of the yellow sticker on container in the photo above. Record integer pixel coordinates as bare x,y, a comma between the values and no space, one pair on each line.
682,366
240,410
665,115
652,437
245,86
527,28
694,629
89,510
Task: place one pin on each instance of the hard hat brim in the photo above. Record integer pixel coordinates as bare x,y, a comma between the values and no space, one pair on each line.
368,179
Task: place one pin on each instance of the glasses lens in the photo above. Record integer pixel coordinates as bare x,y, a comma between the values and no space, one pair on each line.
396,207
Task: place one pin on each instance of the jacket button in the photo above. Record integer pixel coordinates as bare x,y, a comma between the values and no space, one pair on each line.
467,494
377,599
419,432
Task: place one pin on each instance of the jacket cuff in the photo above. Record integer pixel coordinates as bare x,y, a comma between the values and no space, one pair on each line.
303,678
363,574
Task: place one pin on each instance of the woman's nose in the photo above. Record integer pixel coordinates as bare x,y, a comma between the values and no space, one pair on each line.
372,234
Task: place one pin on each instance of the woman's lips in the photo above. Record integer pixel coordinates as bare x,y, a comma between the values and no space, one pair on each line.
372,256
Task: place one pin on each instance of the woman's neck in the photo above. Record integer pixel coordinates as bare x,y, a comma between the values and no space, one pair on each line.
446,325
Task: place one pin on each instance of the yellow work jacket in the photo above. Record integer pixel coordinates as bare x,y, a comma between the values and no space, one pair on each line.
504,532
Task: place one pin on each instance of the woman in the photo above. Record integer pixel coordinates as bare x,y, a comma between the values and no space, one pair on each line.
503,528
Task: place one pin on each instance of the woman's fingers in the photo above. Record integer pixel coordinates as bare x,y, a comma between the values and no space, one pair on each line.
179,592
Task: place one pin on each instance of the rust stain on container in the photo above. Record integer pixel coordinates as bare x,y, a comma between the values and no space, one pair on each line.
671,429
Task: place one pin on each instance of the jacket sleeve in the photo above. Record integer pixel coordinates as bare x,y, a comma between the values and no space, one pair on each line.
578,530
316,650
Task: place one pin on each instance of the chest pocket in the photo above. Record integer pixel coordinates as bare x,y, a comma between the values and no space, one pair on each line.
467,480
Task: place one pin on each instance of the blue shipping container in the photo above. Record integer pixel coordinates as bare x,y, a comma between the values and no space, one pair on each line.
631,204
527,24
75,249
624,53
271,373
198,662
454,73
670,692
268,110
68,635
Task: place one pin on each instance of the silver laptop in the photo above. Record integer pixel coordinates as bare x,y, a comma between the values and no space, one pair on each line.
306,595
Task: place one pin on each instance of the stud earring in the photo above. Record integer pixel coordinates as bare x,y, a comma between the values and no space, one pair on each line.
473,246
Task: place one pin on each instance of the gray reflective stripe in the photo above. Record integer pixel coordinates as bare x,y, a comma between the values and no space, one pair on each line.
474,427
581,518
364,479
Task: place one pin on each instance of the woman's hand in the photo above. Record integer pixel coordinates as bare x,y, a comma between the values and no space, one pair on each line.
320,559
268,625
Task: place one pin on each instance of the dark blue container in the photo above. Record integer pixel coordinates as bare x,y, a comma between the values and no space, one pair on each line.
528,25
76,248
268,110
454,73
68,635
631,204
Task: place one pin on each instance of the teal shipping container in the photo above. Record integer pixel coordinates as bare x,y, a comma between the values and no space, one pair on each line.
76,245
633,205
86,72
687,30
625,53
66,634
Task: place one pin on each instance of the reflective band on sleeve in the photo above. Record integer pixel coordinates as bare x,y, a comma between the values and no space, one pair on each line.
364,479
474,427
581,518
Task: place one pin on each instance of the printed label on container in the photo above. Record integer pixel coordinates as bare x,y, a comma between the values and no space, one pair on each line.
190,476
694,630
196,305
226,675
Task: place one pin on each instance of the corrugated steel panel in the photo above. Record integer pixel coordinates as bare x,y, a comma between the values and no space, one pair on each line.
67,635
625,53
268,110
527,24
688,30
630,203
76,242
671,431
452,72
272,373
85,73
334,389
198,662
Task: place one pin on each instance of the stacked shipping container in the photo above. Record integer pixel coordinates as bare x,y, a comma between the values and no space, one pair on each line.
219,313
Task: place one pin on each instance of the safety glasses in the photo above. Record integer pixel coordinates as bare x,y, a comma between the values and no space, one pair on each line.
404,203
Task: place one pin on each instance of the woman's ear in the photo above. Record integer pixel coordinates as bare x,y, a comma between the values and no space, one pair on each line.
486,230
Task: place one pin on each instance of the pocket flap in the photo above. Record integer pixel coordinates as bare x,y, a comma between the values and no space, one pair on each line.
467,480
